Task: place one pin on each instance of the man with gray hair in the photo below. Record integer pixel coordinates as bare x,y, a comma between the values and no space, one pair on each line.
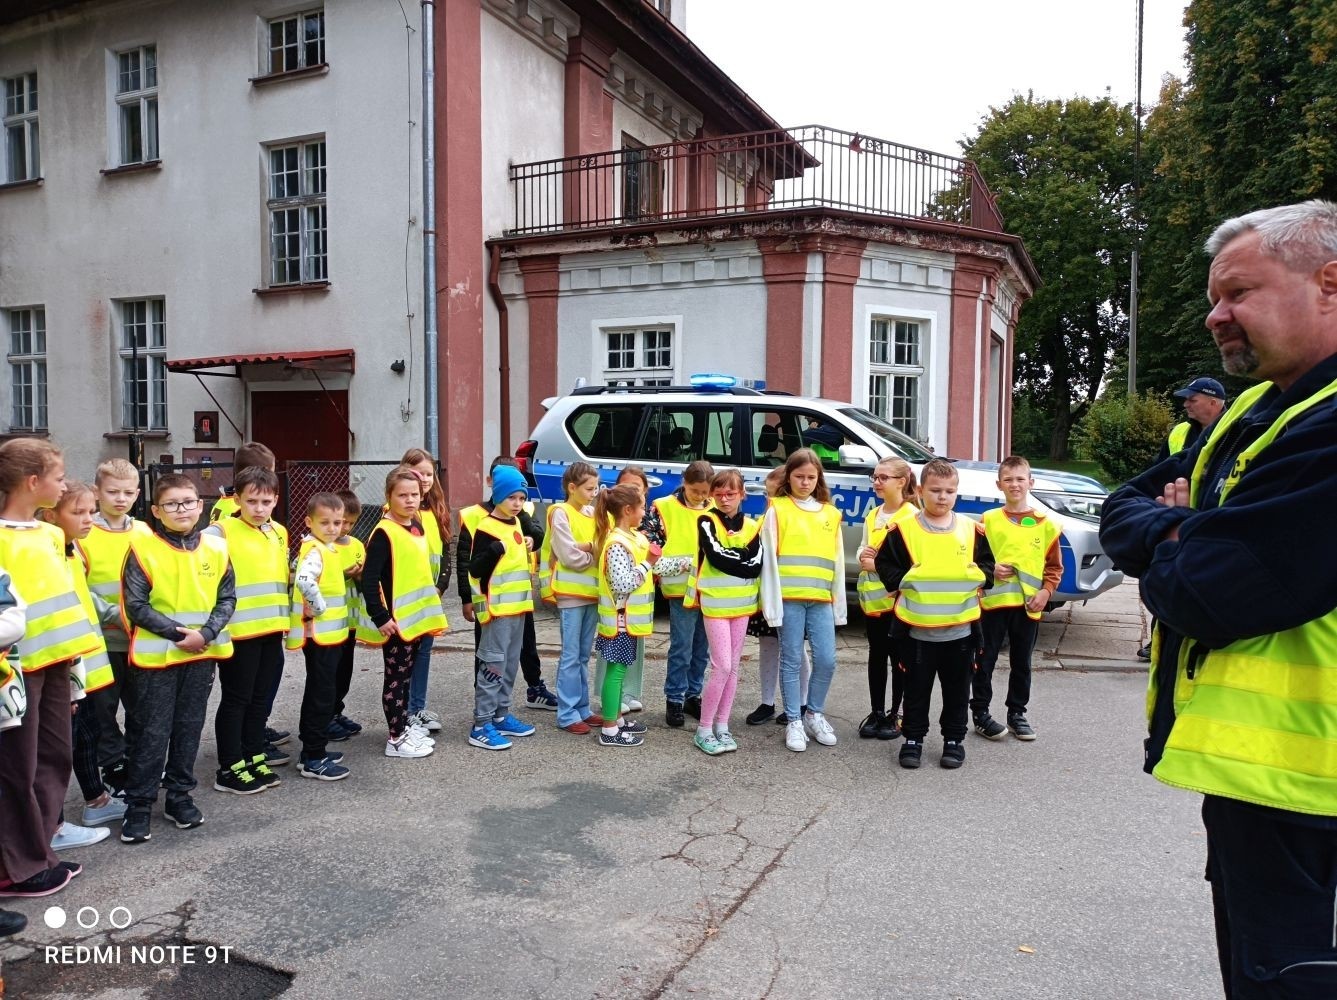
1235,547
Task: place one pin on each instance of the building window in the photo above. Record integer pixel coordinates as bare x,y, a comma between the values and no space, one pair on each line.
143,355
640,357
137,104
296,42
27,369
642,180
297,231
22,157
895,373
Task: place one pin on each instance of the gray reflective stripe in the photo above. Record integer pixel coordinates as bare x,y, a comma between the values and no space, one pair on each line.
569,576
403,600
515,576
157,644
1030,581
260,589
740,601
675,578
339,624
418,616
275,611
50,605
94,661
936,610
1001,589
636,618
795,582
817,561
938,586
112,589
335,601
515,597
55,636
871,583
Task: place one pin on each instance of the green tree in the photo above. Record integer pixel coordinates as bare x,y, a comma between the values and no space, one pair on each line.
1062,173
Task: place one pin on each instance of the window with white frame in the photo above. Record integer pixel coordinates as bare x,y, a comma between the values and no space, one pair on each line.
137,104
143,353
22,156
296,42
896,373
641,356
296,203
27,369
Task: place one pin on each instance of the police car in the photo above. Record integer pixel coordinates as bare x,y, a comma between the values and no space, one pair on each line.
729,424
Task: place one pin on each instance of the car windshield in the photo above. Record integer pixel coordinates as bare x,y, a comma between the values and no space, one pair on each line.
902,444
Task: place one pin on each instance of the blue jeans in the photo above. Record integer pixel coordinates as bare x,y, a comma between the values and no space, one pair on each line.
573,673
418,682
688,653
816,622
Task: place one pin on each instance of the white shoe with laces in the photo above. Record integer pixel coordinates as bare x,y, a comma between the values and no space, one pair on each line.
419,733
429,720
70,835
407,746
632,705
816,726
795,738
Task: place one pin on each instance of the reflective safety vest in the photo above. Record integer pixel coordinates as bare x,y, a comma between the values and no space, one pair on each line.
435,546
510,588
873,597
58,627
1254,719
260,566
806,546
184,587
640,606
224,506
679,540
417,605
94,668
942,587
104,552
719,594
1023,547
330,628
556,579
352,553
1178,435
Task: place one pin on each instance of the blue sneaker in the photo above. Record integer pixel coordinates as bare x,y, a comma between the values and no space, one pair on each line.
324,769
509,725
539,696
353,727
487,738
336,732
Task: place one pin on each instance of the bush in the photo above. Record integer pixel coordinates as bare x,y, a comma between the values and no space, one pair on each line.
1030,428
1125,433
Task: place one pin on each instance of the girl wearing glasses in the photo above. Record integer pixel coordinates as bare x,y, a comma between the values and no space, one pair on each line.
894,482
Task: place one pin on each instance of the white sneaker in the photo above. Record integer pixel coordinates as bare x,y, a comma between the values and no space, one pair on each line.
632,705
816,726
428,720
73,835
626,708
795,738
406,746
419,733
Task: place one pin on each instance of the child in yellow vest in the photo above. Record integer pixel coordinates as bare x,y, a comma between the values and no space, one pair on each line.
179,592
894,481
724,585
633,681
354,554
435,516
258,552
36,763
1028,568
319,627
936,562
249,455
13,619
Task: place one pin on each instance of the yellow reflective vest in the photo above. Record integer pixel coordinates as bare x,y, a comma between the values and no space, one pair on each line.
640,606
58,629
1178,435
556,579
330,628
184,587
873,597
417,605
941,588
224,506
1254,720
1023,547
510,588
679,540
807,543
94,669
260,566
353,553
104,551
719,594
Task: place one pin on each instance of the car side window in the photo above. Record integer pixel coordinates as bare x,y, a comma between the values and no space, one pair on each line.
686,433
777,434
605,430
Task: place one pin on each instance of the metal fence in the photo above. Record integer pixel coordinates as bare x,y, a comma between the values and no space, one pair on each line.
812,166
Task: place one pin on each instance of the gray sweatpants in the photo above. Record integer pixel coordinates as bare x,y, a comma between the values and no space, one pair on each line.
499,655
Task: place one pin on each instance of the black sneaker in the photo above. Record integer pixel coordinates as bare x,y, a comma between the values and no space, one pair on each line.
183,812
267,777
335,732
911,752
989,727
783,718
890,728
673,715
135,825
44,883
869,727
237,779
353,727
274,757
1020,728
11,922
277,737
692,706
1145,652
953,754
114,778
760,714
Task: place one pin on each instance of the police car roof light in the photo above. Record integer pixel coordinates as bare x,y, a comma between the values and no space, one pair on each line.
709,381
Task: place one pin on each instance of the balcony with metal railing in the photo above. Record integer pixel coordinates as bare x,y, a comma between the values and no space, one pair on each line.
749,175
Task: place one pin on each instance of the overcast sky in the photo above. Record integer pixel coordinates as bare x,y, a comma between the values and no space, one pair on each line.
925,73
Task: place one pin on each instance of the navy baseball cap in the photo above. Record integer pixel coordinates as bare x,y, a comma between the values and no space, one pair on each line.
1206,386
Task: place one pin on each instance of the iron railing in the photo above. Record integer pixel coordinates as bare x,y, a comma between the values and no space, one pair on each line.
813,166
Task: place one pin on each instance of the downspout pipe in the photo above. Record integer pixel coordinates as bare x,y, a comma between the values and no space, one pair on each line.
432,417
503,344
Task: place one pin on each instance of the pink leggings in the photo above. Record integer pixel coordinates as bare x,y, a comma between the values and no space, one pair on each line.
725,637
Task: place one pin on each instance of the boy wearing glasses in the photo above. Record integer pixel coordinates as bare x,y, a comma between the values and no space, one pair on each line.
179,593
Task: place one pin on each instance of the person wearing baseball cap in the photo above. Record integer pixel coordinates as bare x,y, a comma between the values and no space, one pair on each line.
1204,401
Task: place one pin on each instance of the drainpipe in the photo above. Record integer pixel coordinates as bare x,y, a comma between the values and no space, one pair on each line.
503,344
432,421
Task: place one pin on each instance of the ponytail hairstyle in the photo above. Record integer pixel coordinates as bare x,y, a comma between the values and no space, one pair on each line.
798,458
901,469
608,510
434,499
24,457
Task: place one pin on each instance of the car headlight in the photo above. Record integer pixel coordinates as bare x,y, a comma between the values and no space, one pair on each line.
1085,506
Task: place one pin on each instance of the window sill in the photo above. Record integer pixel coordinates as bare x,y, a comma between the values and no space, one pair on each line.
297,288
290,74
132,168
144,435
31,182
19,432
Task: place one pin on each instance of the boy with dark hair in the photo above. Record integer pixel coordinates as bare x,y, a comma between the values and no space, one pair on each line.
354,554
249,455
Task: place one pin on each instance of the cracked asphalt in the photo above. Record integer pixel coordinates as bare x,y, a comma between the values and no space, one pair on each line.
559,869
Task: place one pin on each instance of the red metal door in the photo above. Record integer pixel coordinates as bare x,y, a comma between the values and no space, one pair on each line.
302,426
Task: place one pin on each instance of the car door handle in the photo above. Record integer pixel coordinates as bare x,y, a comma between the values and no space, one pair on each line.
755,489
654,481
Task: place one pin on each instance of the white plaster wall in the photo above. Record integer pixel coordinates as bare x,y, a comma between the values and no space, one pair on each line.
194,232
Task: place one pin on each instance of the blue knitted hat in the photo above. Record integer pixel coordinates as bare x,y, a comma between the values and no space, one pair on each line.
505,481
